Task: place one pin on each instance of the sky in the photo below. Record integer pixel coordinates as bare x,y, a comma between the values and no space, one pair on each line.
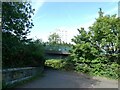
69,16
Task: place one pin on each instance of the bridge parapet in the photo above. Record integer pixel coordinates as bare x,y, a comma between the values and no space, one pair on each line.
14,75
57,49
56,52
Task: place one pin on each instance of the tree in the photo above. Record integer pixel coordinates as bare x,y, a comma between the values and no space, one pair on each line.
54,39
83,49
17,50
97,50
33,53
16,17
105,33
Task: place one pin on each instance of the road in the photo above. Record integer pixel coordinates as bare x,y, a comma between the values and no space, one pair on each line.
63,79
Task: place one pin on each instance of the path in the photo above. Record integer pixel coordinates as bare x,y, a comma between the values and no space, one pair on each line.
62,79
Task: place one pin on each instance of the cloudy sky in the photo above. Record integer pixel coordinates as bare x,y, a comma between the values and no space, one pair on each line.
68,16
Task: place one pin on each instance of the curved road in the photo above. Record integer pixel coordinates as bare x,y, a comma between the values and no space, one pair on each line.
63,79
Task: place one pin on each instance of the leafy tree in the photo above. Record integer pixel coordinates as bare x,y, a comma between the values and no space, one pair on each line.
17,50
16,17
105,33
33,53
83,51
96,51
54,39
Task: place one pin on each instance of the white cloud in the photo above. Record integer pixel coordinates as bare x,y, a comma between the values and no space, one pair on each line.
37,4
43,36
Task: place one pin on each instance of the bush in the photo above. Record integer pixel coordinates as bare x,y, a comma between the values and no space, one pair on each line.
82,68
98,67
17,53
55,63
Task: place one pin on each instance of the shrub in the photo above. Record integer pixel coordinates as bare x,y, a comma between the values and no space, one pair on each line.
98,67
55,63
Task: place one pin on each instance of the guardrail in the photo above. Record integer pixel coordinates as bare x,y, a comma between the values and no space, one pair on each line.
13,75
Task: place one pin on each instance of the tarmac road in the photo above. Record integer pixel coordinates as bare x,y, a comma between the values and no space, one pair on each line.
64,79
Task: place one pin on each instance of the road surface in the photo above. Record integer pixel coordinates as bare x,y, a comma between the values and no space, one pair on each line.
63,79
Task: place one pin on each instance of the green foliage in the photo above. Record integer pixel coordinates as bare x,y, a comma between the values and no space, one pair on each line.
16,17
19,54
17,50
107,70
62,64
54,39
56,45
82,68
105,32
97,51
68,66
99,68
55,63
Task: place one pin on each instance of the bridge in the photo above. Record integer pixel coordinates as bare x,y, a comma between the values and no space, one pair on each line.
57,52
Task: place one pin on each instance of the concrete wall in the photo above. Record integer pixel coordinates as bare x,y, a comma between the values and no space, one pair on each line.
13,75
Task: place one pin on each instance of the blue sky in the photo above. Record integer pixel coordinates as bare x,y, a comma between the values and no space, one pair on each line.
69,16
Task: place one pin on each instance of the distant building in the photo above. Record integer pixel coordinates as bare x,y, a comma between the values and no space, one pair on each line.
63,35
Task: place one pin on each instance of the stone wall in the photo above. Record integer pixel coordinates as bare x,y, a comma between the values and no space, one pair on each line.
13,75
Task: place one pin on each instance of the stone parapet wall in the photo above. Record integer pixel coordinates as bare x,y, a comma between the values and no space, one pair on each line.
13,75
